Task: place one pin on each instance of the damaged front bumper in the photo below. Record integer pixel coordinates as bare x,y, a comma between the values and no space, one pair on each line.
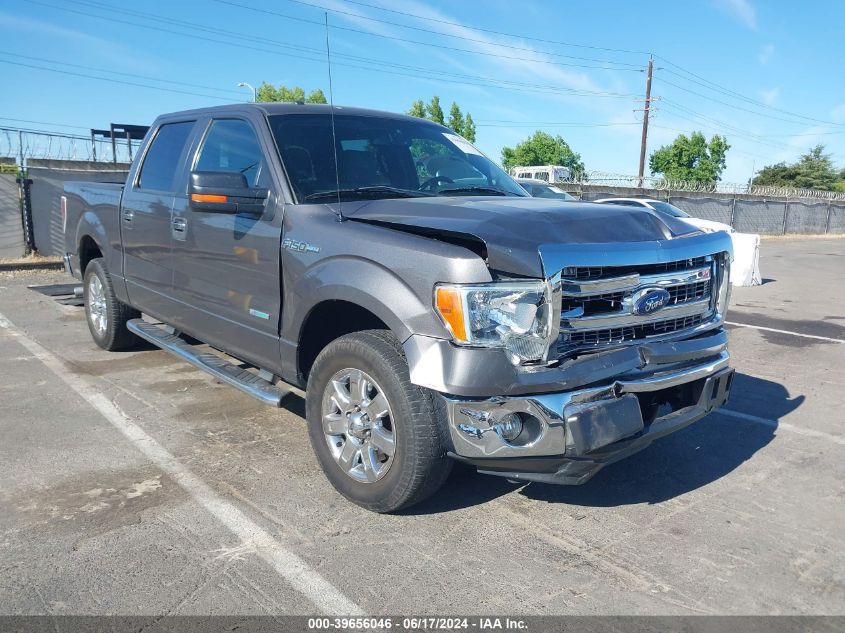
565,437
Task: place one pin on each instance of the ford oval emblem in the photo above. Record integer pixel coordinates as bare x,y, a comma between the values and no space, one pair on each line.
651,300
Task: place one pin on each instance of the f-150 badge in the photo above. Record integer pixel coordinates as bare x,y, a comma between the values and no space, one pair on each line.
300,247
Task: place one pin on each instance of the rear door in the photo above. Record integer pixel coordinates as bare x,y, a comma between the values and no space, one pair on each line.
226,266
145,218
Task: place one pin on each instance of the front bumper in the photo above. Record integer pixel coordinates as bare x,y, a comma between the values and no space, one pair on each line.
569,436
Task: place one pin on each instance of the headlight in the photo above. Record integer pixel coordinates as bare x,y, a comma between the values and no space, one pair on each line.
724,278
516,316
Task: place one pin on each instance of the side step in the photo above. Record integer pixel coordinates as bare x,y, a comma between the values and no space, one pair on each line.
246,381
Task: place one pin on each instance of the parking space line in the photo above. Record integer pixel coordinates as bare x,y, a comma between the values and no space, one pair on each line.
288,565
771,329
786,426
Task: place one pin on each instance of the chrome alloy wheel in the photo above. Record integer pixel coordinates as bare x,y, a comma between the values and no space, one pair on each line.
358,425
97,307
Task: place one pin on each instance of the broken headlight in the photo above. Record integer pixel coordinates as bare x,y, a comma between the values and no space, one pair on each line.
514,316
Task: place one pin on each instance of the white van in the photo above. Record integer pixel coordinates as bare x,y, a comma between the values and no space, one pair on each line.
549,173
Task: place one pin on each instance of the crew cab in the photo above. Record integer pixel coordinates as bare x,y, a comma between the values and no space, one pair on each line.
431,310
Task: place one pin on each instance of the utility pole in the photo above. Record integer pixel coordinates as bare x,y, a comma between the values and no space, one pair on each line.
646,109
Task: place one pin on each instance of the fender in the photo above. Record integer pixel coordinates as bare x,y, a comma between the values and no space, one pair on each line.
370,285
90,225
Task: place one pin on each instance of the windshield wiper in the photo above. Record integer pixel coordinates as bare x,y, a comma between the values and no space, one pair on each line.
374,192
484,191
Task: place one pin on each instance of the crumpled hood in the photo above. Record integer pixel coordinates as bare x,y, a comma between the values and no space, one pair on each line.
513,228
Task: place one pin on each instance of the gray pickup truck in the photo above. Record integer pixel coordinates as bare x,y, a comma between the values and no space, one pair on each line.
429,308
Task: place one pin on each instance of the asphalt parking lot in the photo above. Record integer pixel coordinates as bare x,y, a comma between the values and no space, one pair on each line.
131,483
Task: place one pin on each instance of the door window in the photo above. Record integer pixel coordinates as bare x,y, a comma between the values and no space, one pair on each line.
231,145
161,163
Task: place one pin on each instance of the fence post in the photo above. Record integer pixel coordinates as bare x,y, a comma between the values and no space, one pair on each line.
26,214
785,217
829,212
733,212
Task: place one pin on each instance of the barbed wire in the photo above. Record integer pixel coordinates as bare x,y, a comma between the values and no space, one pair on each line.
21,143
659,183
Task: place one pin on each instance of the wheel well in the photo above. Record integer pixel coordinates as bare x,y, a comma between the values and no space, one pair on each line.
328,321
88,250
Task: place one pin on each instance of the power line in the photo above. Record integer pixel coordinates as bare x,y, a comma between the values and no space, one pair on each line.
77,127
111,80
442,34
419,43
494,32
727,91
732,105
459,78
724,127
117,72
47,133
703,82
501,123
719,126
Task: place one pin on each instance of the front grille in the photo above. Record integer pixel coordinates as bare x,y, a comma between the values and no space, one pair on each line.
624,334
598,303
689,292
589,273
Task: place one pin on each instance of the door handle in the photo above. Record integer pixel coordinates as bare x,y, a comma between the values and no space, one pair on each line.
180,224
128,215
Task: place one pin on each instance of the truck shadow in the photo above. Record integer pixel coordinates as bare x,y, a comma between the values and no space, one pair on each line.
674,465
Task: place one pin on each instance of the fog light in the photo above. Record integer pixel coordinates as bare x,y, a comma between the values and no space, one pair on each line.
509,427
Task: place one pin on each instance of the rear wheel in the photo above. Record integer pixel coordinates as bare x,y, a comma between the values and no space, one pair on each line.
105,314
377,436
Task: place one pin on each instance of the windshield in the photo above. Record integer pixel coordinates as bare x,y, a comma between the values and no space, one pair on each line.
668,209
382,157
549,191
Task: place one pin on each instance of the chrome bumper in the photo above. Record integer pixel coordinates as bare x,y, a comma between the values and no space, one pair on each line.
588,427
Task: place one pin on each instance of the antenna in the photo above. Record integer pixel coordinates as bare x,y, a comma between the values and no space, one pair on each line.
331,105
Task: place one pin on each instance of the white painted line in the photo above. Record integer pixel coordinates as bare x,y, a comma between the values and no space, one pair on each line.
293,569
786,426
771,329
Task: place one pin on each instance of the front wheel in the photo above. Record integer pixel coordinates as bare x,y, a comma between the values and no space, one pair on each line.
105,314
377,436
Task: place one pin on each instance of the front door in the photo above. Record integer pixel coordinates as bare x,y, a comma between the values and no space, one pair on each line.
145,219
226,266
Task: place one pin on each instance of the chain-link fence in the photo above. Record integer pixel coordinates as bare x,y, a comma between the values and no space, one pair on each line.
746,213
659,183
23,144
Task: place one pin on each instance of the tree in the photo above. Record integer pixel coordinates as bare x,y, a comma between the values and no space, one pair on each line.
434,111
813,170
542,149
269,93
461,124
691,158
417,109
469,128
456,119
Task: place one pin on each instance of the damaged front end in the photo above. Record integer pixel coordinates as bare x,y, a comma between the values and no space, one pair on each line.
637,351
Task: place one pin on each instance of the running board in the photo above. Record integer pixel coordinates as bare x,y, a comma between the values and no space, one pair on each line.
211,363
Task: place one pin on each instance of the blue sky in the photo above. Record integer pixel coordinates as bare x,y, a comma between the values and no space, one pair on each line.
765,74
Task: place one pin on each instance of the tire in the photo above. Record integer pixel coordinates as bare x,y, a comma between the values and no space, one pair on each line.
105,314
418,465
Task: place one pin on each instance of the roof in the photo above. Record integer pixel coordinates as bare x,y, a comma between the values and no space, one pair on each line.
293,108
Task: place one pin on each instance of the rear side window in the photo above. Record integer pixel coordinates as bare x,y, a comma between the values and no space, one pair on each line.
231,145
162,160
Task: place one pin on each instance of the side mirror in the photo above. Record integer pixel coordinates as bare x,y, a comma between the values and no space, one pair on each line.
225,192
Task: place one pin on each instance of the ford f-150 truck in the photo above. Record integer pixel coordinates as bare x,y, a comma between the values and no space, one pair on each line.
429,308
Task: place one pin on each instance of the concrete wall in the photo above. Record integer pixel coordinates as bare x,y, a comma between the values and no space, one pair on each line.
11,233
